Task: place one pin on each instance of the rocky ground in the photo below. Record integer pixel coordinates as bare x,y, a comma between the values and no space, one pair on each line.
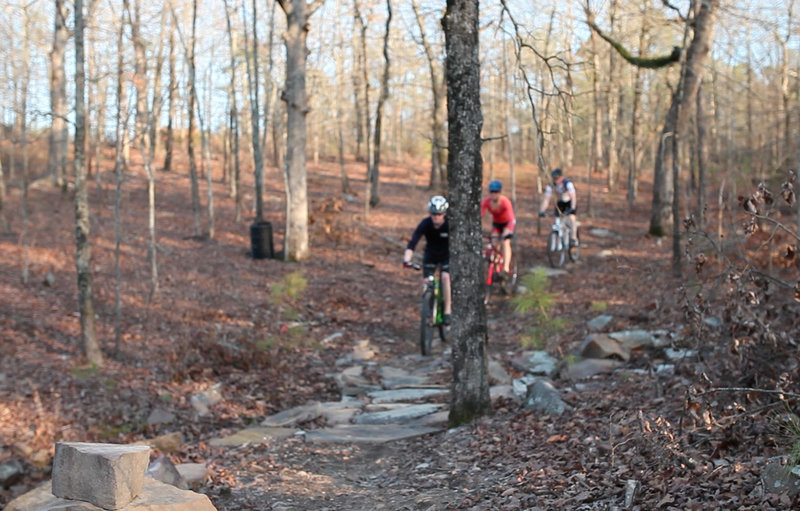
270,335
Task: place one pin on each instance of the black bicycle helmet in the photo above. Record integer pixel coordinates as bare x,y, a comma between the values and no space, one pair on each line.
438,205
556,173
495,186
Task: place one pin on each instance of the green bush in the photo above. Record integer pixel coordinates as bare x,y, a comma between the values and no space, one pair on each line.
536,302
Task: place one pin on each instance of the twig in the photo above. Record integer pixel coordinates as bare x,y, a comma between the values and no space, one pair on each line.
747,389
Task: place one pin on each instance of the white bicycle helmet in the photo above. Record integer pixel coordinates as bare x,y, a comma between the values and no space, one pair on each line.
438,205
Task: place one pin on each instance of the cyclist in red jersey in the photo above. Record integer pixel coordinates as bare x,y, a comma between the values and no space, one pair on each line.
503,219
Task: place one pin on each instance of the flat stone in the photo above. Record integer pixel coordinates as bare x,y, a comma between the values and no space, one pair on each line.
369,434
590,367
253,436
536,362
155,496
10,472
306,412
387,396
599,322
401,382
497,373
107,475
169,442
162,469
193,473
435,419
398,415
633,339
160,416
603,346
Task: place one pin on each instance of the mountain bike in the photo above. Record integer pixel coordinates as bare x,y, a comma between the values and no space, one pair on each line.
493,267
431,312
559,245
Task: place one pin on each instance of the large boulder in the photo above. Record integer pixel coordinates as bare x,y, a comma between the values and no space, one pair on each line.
107,475
154,496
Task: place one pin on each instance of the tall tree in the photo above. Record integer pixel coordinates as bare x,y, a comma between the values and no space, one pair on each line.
374,164
252,88
470,392
702,21
234,115
57,153
438,177
144,125
297,12
83,256
191,111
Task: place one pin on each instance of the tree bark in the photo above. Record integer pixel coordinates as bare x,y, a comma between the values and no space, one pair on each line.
57,154
234,117
470,389
83,256
374,165
661,213
190,134
438,179
296,247
252,87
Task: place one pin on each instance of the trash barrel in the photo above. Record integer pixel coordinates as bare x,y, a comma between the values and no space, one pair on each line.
261,240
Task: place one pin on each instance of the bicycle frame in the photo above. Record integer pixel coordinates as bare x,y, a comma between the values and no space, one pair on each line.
494,265
431,311
559,246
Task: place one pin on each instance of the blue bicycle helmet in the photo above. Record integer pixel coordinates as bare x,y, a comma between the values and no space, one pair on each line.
495,186
556,173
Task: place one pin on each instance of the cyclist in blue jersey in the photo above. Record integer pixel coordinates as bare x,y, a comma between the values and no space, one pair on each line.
436,231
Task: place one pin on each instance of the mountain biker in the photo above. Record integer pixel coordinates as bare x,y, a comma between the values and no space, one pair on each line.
566,202
436,231
503,219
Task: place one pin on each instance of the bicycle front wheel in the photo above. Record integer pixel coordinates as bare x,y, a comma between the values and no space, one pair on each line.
489,276
426,323
509,283
575,249
555,250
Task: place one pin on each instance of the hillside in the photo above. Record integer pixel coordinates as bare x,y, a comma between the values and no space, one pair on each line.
269,342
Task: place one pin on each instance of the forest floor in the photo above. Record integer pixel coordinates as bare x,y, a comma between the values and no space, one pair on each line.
250,326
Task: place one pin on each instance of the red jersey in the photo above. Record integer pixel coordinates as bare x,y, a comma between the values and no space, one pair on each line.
504,214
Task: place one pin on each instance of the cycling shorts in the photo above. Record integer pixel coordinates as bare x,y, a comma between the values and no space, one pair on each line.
429,265
564,206
498,228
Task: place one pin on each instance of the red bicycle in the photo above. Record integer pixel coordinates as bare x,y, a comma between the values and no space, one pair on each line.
493,267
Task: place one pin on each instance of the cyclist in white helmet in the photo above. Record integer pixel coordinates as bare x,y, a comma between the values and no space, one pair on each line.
566,201
436,231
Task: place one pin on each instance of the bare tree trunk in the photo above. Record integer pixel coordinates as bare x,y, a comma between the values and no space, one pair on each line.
190,134
234,117
122,109
21,130
143,125
702,152
612,107
83,257
3,218
338,56
633,172
661,215
173,87
507,119
374,165
597,112
297,12
363,94
252,87
470,389
204,136
437,178
57,154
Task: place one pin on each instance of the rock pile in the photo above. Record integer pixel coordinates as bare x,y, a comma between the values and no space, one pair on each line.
93,477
